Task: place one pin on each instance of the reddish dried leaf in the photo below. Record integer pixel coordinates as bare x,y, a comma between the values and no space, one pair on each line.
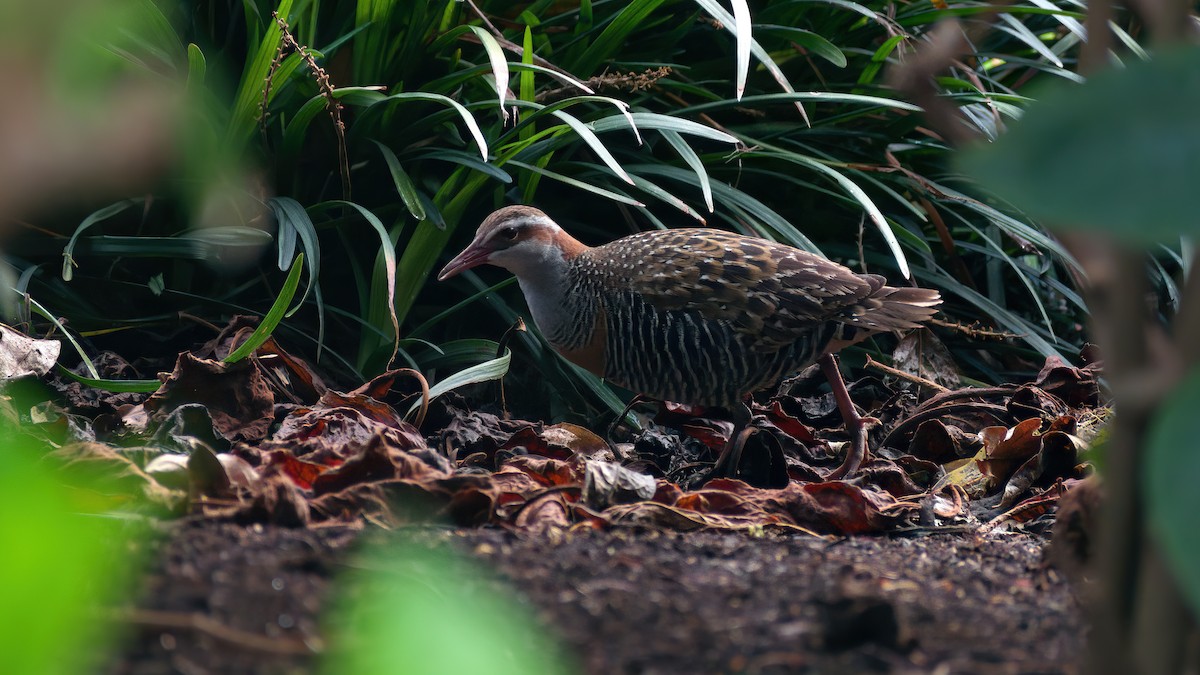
546,471
378,460
301,472
846,509
294,377
667,492
514,484
346,422
834,507
546,511
712,433
789,423
1018,443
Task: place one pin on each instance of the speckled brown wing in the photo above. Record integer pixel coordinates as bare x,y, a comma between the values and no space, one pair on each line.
773,292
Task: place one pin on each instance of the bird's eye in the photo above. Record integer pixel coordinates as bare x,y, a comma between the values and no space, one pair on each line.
509,233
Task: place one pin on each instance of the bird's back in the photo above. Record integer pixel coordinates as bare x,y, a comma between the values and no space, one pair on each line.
706,316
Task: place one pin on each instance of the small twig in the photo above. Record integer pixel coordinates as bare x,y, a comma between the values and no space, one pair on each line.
862,256
613,82
209,626
915,379
421,412
195,319
505,42
947,240
975,331
266,97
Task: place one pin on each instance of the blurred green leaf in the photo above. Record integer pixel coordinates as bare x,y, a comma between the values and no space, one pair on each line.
63,566
427,612
1119,153
1169,483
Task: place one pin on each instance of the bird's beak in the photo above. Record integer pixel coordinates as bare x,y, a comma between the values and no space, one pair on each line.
472,256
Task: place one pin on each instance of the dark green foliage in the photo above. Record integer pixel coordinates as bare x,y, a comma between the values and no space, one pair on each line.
826,158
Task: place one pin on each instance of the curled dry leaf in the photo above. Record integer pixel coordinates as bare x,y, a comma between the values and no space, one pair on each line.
941,443
1077,387
344,423
235,394
1006,448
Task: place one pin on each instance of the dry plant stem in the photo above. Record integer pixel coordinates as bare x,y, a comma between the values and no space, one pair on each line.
947,240
975,331
637,398
1186,329
215,629
1163,624
1118,317
1094,54
1162,620
424,409
908,377
266,93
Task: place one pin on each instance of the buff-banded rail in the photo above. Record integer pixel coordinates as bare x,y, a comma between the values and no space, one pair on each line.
698,316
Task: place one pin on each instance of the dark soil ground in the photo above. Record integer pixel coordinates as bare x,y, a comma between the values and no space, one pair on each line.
224,598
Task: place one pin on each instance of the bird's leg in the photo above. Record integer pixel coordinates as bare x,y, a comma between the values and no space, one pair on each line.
731,455
637,398
856,426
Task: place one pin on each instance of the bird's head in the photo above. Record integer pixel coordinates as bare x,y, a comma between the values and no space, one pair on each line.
518,238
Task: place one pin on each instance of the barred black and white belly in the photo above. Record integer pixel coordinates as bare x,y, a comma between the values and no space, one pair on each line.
679,356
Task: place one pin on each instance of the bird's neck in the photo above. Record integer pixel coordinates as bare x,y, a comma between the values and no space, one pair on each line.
549,285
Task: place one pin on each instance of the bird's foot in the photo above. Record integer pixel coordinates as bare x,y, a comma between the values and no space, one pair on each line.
727,462
857,428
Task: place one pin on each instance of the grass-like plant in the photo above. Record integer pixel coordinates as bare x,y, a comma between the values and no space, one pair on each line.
373,135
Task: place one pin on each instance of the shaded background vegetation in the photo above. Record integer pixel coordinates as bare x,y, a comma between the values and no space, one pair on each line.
252,178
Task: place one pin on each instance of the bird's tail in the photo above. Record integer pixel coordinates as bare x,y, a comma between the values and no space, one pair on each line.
886,309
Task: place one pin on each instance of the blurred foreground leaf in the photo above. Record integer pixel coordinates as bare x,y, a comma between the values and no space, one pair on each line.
59,568
1172,467
1120,152
408,609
